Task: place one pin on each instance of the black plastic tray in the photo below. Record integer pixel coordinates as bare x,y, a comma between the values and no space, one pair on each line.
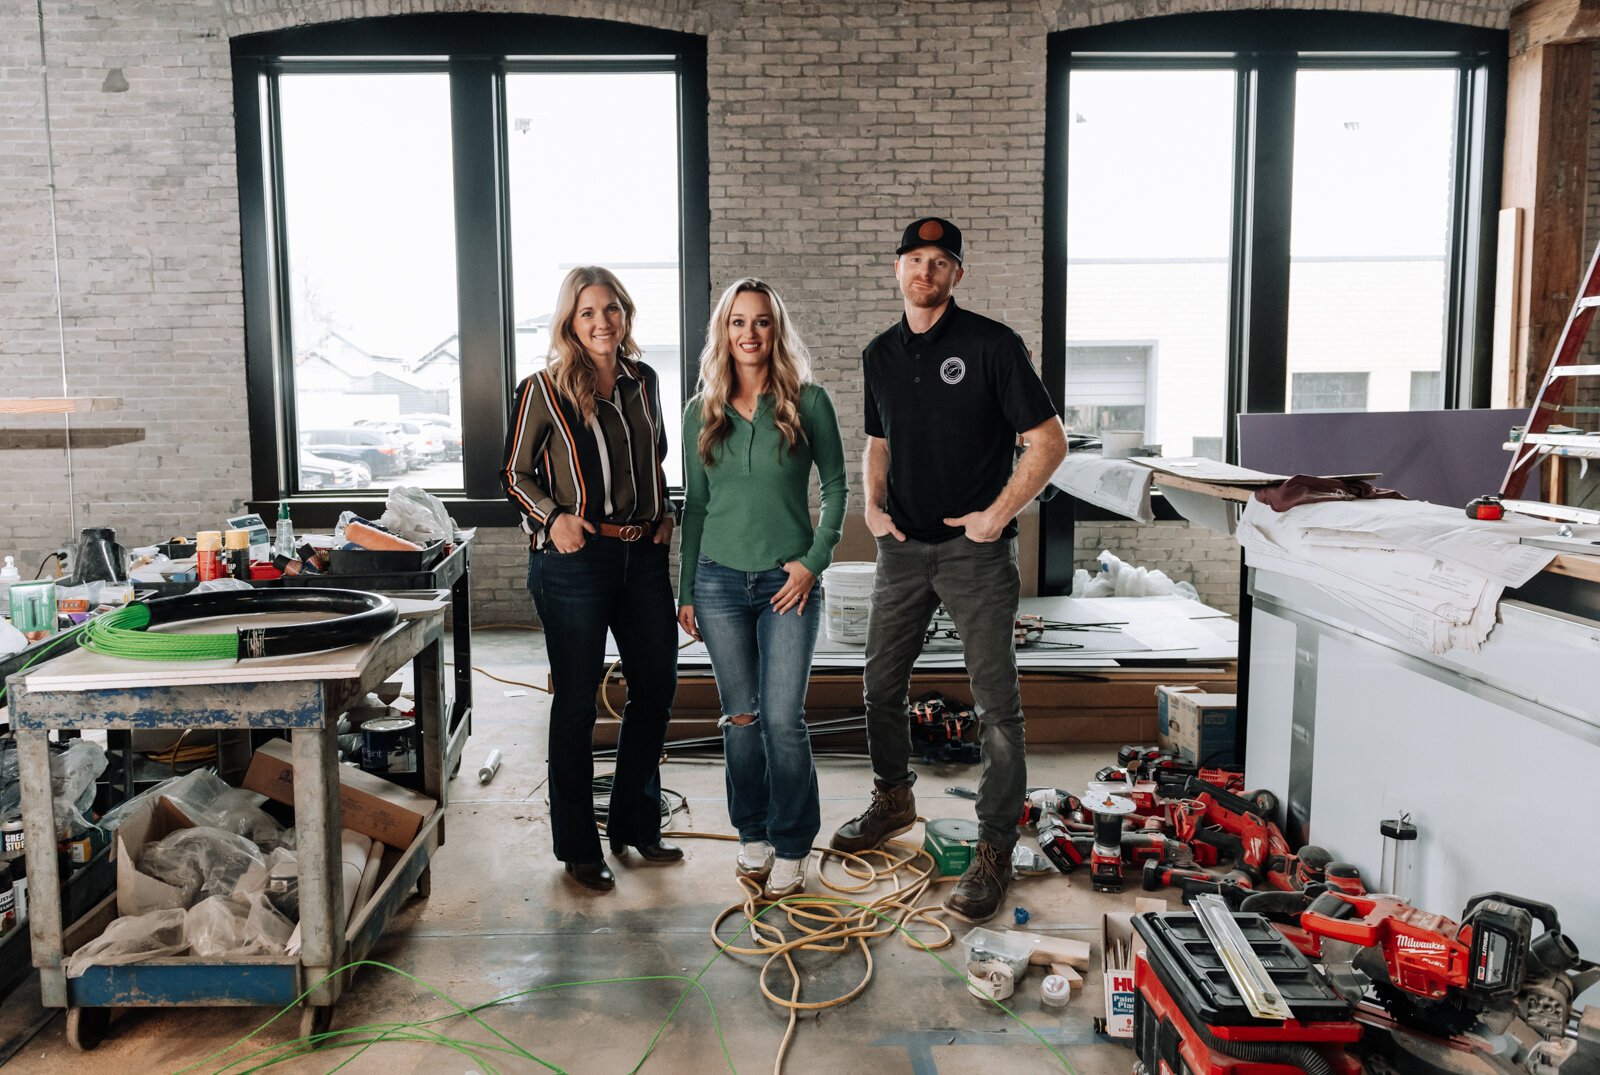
1187,963
372,561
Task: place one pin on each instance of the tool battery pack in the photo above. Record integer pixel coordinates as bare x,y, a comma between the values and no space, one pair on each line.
1189,1019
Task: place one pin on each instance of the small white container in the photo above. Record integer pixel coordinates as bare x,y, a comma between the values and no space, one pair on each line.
1055,991
982,944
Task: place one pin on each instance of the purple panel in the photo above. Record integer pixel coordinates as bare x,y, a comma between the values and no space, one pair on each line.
1444,457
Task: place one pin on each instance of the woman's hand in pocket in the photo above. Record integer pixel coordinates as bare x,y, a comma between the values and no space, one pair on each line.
796,591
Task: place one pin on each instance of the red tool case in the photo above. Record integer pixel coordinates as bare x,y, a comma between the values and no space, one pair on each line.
1188,1019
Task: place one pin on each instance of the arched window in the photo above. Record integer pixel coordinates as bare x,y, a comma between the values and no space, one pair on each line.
413,189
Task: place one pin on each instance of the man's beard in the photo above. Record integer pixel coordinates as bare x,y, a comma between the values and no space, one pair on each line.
926,300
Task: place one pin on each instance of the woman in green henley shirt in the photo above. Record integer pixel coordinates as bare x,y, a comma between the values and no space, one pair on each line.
750,558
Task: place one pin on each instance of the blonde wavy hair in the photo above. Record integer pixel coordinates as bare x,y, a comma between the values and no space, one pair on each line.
570,367
787,374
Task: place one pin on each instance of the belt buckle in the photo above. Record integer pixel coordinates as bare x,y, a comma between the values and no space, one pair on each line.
630,532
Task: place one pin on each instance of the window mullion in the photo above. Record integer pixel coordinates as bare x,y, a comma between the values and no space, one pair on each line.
482,283
1270,175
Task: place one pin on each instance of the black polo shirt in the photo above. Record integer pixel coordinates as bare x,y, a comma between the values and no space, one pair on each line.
950,402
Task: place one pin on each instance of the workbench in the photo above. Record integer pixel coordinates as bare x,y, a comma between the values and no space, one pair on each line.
303,695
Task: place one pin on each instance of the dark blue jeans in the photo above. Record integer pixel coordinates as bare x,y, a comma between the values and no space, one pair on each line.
978,584
762,662
620,586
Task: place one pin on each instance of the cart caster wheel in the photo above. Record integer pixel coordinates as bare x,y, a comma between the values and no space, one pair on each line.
425,882
455,770
86,1027
315,1021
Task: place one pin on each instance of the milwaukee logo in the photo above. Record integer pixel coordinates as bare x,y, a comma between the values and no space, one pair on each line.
1417,945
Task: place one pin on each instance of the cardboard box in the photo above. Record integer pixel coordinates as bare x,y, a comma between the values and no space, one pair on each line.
368,804
139,893
1198,727
1119,944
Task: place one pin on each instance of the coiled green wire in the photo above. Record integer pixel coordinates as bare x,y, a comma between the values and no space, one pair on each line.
122,634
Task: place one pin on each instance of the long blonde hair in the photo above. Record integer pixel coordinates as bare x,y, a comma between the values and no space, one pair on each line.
570,367
787,374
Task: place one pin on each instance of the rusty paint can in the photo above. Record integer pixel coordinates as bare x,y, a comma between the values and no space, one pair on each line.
389,746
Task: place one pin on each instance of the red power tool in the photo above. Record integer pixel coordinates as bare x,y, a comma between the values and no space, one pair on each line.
1443,977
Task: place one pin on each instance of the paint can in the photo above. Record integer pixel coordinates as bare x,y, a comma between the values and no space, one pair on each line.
389,746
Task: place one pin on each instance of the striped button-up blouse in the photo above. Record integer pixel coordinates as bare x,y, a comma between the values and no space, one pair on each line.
605,470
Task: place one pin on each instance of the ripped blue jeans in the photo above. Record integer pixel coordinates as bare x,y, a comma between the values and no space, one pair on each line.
762,662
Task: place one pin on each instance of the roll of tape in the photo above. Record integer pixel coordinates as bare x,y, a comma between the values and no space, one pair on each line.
991,980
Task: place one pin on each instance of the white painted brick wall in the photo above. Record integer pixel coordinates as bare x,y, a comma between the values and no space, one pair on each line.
832,123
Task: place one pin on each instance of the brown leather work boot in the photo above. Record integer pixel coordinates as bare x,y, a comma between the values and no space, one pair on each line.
977,895
892,811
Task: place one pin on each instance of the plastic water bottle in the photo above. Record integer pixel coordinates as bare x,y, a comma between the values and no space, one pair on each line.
8,575
284,545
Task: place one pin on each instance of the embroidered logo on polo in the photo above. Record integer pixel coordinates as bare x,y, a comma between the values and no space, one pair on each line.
952,369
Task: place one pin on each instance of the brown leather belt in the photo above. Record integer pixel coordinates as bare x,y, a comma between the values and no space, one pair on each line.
626,531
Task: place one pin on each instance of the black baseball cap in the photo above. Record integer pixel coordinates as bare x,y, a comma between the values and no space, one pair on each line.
932,231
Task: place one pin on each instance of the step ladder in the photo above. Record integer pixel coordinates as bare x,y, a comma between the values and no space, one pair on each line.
1556,393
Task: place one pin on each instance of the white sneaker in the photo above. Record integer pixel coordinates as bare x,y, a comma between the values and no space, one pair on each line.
787,878
755,860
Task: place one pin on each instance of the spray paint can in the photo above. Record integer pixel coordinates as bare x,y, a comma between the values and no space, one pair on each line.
237,542
12,841
208,555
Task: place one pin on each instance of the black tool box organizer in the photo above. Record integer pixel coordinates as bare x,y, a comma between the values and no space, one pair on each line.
1187,963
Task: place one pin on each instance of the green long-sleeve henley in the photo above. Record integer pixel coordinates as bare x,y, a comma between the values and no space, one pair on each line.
750,509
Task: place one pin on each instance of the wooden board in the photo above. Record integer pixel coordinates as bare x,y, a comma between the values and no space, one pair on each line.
83,670
60,404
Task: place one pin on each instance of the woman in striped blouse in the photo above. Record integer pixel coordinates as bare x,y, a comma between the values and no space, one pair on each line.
583,464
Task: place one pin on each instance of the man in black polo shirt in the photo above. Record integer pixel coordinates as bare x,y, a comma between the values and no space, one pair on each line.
947,393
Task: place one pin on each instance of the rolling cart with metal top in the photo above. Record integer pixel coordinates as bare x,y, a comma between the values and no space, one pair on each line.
304,695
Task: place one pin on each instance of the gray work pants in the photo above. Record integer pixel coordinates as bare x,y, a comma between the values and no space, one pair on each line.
979,586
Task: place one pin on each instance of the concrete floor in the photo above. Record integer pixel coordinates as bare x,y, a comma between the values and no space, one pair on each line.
503,920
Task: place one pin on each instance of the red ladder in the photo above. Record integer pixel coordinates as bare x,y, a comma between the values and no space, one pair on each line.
1556,392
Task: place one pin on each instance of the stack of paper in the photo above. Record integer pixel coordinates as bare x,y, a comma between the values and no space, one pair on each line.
1424,570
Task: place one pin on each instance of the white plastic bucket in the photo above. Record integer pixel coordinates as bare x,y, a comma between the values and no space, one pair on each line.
847,600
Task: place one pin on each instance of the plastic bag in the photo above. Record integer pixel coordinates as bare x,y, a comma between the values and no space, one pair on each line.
131,939
278,879
215,927
417,514
208,800
72,777
202,861
11,639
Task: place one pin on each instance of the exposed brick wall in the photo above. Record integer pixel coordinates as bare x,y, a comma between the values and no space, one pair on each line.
831,123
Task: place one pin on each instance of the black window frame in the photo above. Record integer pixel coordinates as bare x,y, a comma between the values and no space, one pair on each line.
477,50
1265,49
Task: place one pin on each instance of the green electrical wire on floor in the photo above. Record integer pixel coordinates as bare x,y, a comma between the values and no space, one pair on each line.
369,1035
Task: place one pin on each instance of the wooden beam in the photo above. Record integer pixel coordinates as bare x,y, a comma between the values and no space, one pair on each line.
82,437
1553,22
1545,175
60,404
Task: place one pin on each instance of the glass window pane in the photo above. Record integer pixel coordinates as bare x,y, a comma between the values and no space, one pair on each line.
370,232
1149,191
1374,159
593,161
